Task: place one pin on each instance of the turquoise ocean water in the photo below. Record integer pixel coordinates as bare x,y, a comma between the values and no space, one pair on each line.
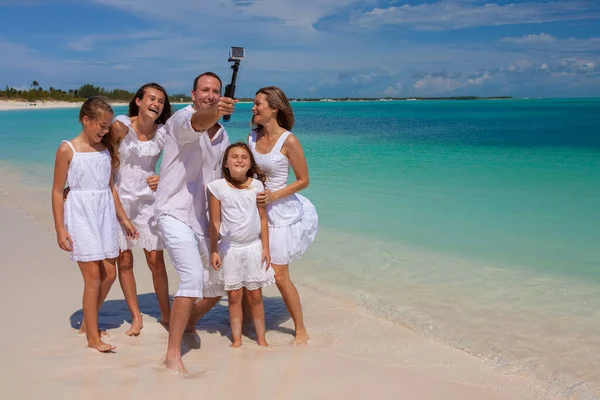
474,222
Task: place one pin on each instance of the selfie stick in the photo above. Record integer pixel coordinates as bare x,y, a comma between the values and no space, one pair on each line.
230,88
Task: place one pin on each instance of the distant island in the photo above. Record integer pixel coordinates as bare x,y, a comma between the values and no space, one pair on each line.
37,93
334,99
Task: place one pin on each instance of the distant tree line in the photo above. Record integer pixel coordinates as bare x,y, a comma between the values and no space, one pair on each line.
37,93
398,98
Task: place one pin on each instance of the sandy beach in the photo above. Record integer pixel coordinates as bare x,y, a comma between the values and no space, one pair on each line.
7,105
352,355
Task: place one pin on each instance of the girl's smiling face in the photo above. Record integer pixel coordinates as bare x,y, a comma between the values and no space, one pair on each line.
238,162
152,104
95,129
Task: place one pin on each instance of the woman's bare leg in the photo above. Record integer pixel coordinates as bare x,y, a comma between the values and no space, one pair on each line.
292,301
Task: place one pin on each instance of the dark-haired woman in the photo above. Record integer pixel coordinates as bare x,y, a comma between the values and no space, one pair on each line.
142,137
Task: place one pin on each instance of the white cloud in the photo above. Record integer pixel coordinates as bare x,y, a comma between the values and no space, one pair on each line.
453,14
548,42
542,38
479,79
283,13
394,90
436,85
87,43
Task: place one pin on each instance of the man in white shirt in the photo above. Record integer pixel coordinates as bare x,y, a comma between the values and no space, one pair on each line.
194,146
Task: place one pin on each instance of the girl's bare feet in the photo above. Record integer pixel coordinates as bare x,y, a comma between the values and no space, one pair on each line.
136,327
102,347
83,331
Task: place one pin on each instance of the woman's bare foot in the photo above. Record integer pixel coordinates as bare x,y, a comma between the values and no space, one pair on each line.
102,347
301,338
236,344
136,327
175,365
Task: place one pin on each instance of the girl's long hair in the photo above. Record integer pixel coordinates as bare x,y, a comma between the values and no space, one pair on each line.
93,108
253,172
277,99
167,110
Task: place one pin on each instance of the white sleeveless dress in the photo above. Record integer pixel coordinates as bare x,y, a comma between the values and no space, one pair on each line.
138,161
239,246
293,220
90,216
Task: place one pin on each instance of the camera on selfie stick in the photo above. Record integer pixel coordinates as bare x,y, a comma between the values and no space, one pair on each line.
236,54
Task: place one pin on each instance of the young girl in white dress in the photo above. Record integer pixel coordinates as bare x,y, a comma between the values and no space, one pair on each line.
239,239
86,222
293,220
142,139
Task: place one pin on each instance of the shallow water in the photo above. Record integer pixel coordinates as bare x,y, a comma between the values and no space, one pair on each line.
474,222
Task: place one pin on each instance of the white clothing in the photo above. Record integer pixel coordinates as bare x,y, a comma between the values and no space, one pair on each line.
190,161
188,252
90,217
293,220
138,162
240,247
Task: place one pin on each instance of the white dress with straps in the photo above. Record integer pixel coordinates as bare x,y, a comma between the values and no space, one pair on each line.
240,247
293,220
90,216
138,162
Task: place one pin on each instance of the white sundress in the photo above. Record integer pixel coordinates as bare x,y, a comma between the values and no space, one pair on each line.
90,216
240,247
293,220
138,161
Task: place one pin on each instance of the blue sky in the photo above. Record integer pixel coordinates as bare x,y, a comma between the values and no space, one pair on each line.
310,48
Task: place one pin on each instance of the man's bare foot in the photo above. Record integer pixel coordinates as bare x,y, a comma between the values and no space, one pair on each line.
301,339
136,327
262,343
236,344
101,346
175,365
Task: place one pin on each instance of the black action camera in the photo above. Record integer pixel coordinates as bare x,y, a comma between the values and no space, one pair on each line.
236,54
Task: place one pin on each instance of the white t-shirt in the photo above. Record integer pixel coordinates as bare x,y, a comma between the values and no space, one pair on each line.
240,222
190,161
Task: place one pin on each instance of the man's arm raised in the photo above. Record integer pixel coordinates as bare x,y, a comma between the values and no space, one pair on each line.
186,131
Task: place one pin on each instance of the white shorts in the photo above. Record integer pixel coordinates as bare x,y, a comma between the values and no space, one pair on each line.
190,256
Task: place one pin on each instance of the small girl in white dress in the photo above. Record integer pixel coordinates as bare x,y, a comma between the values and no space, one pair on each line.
239,241
86,222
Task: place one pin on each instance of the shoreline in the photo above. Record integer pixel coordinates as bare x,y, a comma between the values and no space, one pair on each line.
13,105
350,335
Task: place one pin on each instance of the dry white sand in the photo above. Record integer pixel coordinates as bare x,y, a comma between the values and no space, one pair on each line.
351,355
